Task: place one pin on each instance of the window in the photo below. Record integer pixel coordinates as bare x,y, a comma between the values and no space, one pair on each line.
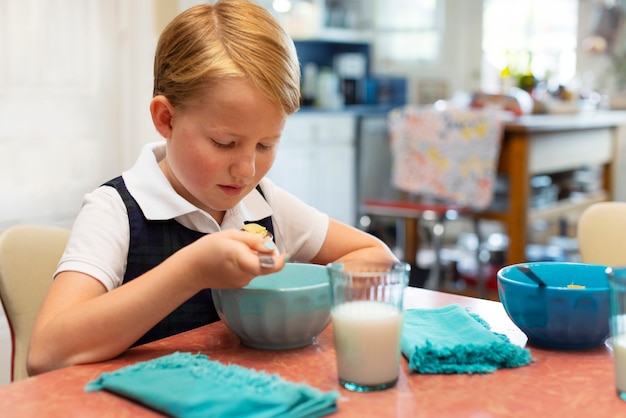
408,31
535,35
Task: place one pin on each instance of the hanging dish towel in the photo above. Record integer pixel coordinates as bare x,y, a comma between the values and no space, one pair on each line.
452,340
191,385
451,154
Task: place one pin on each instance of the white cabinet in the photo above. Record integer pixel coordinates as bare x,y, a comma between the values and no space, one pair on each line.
316,162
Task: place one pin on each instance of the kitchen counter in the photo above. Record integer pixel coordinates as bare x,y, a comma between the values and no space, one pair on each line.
582,120
357,109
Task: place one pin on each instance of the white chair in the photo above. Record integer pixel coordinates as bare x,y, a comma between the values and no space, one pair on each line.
29,255
601,234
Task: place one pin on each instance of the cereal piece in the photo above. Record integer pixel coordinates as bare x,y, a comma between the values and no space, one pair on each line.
575,286
256,229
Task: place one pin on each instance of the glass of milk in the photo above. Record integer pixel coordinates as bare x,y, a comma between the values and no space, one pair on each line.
617,291
367,321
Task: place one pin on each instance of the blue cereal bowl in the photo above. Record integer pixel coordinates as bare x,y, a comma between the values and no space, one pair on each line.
570,313
278,311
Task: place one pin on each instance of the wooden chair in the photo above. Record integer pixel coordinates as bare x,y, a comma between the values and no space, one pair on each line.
444,162
29,256
601,234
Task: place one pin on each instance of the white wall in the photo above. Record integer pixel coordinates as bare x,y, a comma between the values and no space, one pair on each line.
75,86
142,23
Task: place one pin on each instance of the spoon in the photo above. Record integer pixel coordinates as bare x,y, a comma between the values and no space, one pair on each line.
531,275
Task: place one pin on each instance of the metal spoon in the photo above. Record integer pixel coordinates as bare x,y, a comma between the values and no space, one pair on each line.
531,275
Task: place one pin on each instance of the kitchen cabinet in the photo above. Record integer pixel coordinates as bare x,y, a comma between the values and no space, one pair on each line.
316,162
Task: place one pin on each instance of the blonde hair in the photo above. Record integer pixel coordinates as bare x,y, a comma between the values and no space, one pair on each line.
231,38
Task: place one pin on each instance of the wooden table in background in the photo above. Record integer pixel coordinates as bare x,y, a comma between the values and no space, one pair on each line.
546,144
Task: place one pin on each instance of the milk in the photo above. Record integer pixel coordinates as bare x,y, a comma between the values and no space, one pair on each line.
367,342
619,354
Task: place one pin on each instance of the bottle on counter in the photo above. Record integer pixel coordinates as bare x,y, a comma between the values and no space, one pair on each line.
506,80
309,84
328,90
528,81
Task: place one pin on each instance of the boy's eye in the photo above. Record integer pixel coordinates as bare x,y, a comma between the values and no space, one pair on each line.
223,144
231,144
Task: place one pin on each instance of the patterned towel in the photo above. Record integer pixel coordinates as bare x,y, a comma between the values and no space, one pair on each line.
448,155
191,385
451,340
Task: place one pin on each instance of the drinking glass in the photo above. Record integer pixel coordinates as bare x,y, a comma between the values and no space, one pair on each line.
367,321
617,294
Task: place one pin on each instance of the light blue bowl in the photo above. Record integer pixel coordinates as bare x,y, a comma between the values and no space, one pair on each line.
279,311
556,316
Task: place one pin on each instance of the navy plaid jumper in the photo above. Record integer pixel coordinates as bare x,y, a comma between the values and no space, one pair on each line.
151,242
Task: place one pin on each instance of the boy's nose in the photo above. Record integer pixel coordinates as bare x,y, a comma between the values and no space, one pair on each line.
245,166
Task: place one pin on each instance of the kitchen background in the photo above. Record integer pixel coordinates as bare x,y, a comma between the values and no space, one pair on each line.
76,80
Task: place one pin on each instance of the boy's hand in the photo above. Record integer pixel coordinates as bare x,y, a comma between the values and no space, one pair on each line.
230,259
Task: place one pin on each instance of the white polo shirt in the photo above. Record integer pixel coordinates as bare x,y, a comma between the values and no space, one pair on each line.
98,244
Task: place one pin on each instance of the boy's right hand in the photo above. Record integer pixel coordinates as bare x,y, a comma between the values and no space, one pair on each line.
229,259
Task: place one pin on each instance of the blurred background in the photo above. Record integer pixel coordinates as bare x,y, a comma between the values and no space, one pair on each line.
76,75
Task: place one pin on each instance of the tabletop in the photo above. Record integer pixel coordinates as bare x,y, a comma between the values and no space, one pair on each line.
558,383
554,122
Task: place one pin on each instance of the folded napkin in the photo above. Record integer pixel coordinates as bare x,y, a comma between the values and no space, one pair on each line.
452,340
191,385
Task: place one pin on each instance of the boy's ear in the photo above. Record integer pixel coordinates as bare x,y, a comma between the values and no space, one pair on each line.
162,112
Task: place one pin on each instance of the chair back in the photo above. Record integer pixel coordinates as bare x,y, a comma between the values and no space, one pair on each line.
449,155
601,234
29,255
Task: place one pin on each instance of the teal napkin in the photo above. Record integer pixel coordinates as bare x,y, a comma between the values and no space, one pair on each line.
452,340
191,385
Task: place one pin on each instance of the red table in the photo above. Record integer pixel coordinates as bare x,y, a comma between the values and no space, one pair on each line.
559,383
